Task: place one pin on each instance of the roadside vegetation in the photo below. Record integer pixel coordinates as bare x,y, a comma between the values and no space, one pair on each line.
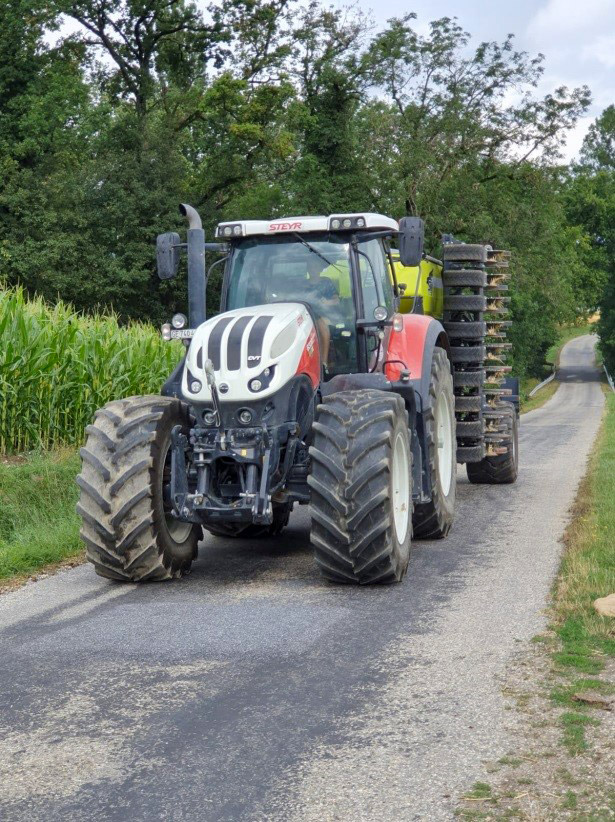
38,523
588,567
563,686
57,367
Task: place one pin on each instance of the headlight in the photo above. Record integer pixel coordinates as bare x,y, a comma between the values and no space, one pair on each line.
165,330
255,385
179,321
380,313
195,386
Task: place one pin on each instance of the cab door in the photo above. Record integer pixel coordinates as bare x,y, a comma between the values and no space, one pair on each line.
375,289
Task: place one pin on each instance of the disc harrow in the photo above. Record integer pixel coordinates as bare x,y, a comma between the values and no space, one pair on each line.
476,311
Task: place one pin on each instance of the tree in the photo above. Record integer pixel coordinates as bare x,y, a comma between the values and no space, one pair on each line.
44,105
591,205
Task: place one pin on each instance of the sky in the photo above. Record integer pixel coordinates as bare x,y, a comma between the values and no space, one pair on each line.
577,38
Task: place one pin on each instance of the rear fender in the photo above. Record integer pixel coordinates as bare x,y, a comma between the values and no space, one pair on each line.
412,349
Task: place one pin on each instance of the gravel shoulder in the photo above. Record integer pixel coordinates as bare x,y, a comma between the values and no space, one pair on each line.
251,690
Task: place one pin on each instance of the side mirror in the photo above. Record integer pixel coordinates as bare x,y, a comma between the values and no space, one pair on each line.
411,238
167,254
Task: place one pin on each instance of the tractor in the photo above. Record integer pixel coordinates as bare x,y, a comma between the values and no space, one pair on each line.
347,370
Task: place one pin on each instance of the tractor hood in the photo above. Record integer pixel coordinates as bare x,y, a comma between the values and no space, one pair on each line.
254,351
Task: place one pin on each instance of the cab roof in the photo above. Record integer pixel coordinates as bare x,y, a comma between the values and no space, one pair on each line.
302,225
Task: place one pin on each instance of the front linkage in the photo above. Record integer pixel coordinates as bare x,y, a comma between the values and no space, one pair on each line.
205,490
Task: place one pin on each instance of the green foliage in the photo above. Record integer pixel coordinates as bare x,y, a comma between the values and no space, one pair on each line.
58,367
38,522
591,206
262,107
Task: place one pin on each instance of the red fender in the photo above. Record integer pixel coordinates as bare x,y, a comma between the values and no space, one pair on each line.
413,345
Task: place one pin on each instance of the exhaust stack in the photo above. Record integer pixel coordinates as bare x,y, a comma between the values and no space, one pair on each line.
195,247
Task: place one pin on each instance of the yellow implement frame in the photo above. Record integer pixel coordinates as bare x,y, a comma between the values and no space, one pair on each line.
425,282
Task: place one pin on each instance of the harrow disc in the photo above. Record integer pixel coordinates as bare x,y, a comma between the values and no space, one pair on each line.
476,318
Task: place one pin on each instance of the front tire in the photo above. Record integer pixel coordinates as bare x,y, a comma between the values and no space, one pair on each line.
361,488
127,528
433,520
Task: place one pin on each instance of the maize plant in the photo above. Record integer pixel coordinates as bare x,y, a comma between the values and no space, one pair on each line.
57,367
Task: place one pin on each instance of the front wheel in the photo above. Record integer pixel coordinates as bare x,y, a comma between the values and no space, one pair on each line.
127,526
361,487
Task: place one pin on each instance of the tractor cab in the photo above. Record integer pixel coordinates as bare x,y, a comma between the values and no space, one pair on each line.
339,267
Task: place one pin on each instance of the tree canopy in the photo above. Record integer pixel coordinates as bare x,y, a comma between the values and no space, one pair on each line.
257,108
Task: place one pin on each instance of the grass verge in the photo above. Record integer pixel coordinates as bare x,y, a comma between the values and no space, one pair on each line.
38,523
588,566
544,395
562,686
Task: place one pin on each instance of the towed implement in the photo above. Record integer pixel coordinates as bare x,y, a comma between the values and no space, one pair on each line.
341,373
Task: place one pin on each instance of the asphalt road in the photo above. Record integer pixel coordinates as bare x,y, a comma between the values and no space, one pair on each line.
251,690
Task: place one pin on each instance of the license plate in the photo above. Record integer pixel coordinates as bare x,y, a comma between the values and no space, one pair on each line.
182,333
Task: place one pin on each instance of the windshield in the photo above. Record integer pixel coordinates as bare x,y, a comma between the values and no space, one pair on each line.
313,270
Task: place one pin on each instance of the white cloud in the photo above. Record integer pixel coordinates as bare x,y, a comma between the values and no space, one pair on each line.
602,49
569,17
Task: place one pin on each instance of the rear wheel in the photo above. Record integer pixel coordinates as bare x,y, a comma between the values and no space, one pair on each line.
361,487
503,468
434,519
127,526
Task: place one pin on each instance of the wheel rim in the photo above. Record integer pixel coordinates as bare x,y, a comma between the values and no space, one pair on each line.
401,487
444,442
178,531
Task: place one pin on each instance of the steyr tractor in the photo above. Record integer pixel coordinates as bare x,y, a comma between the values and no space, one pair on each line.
346,370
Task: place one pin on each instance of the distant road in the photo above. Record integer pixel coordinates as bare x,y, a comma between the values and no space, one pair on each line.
253,691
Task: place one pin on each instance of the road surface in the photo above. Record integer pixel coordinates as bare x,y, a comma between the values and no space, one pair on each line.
251,690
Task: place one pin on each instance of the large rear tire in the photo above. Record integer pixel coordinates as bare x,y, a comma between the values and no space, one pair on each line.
433,520
127,528
501,469
361,487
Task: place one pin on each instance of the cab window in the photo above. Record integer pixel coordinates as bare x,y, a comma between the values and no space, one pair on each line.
375,276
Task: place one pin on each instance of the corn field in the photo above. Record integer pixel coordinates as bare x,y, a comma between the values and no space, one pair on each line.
57,367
